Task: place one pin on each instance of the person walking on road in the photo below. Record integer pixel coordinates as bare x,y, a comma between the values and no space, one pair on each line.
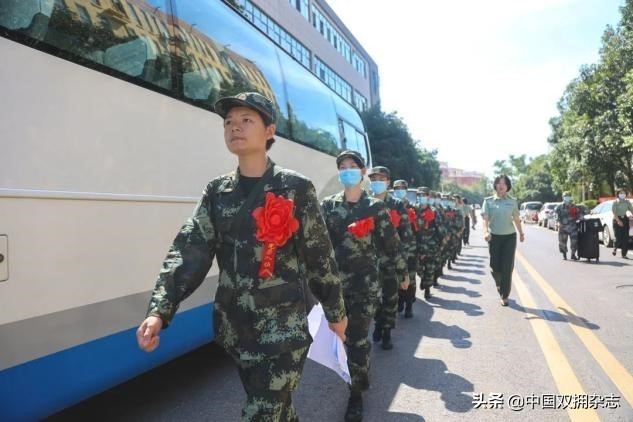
363,236
501,222
385,319
264,225
621,223
567,214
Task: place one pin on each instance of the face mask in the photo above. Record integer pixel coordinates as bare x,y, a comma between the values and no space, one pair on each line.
349,177
378,187
567,199
621,196
444,203
400,193
423,200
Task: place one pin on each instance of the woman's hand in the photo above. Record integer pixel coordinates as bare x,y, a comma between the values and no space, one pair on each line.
487,236
521,237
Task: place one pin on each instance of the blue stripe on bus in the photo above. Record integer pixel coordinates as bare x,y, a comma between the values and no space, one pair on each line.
41,387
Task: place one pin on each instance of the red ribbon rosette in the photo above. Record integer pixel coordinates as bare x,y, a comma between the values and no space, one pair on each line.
395,218
361,228
413,219
275,225
428,215
573,212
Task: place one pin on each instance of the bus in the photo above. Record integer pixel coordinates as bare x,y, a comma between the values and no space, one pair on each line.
107,138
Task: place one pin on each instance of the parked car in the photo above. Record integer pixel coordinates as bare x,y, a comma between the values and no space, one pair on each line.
544,213
528,211
552,224
603,211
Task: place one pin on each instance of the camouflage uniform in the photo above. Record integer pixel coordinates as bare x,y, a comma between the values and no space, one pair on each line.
357,259
567,215
429,242
386,312
261,323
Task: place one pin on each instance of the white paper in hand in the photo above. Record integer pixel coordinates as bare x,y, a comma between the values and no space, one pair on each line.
327,348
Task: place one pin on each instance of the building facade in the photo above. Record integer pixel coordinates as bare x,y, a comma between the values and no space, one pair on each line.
313,34
459,177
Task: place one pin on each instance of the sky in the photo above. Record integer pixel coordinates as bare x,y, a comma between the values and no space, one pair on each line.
478,80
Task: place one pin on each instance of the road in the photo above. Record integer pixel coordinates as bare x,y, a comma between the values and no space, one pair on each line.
564,341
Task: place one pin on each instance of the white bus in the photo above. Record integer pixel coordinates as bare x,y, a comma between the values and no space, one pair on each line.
107,138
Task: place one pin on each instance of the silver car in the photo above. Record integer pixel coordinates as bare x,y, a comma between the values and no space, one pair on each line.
604,213
544,214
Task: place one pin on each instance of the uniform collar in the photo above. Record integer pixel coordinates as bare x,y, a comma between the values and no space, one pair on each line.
230,182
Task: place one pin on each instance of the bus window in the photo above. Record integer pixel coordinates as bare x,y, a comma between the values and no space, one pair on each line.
214,61
354,139
313,119
104,35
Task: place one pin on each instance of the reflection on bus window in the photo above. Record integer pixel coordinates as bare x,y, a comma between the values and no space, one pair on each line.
354,139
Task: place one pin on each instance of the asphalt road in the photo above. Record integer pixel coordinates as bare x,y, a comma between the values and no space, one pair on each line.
565,341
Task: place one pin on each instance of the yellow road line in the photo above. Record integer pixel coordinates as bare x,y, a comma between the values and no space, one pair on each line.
559,366
609,363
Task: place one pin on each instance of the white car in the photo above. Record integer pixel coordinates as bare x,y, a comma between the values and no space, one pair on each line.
528,211
544,214
604,213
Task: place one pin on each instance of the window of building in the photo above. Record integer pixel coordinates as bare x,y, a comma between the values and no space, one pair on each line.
333,80
119,7
360,102
96,2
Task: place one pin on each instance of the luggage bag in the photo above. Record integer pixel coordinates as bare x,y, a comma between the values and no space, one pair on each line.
588,242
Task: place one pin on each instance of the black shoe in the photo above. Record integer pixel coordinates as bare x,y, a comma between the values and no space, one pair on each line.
386,339
441,272
408,312
377,335
400,305
449,265
354,412
435,283
564,255
615,251
574,257
427,293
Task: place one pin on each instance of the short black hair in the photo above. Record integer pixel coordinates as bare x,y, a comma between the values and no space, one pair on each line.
505,179
267,122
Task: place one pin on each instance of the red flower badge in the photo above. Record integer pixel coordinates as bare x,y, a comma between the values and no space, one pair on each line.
413,219
573,212
361,228
275,225
395,218
428,215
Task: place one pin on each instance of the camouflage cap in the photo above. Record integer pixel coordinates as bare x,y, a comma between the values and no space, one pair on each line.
567,193
252,100
423,189
400,184
455,195
354,155
380,170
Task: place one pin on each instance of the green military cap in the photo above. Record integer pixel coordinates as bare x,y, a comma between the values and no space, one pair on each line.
400,184
423,189
432,194
567,193
354,155
456,196
380,170
444,195
252,100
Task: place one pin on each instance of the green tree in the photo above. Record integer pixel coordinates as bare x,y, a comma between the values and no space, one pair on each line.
393,147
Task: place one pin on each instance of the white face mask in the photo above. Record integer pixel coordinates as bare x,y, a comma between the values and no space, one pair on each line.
621,195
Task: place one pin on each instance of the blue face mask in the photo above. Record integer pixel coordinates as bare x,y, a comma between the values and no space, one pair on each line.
444,203
621,195
378,186
349,177
423,200
567,199
400,193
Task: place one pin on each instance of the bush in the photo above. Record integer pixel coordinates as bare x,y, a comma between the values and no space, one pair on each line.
590,203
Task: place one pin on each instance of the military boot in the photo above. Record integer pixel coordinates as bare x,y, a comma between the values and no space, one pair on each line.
449,265
386,339
354,412
377,335
408,312
564,255
574,256
427,293
400,304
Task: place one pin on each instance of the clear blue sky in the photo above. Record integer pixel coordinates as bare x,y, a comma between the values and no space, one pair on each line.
478,80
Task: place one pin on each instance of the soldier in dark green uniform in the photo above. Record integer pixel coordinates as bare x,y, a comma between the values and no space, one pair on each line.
263,223
500,212
363,236
385,319
621,223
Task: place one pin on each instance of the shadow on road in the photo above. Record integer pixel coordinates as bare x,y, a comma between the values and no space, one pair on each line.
460,278
459,270
463,264
458,290
553,316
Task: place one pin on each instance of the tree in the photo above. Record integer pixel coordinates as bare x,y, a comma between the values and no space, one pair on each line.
393,147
